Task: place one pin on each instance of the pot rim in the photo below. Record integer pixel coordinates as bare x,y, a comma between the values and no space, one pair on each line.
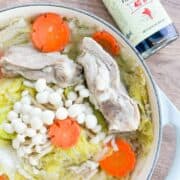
91,15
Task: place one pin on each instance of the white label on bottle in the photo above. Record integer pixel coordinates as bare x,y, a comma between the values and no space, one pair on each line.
138,19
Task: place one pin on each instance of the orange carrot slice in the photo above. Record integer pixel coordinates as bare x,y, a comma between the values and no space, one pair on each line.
50,33
65,133
120,162
107,41
4,177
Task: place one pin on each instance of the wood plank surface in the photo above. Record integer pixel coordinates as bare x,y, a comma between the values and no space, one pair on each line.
164,66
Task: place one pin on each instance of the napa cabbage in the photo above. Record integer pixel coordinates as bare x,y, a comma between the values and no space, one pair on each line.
15,32
59,159
79,30
135,81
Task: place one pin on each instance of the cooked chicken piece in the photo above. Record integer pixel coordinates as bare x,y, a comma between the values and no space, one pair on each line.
26,61
108,93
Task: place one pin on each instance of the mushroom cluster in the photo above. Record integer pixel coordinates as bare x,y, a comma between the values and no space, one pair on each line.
30,120
30,124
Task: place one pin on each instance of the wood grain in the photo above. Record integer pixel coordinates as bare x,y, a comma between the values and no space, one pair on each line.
164,66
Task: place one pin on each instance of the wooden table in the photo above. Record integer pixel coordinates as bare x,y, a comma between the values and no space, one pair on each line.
165,67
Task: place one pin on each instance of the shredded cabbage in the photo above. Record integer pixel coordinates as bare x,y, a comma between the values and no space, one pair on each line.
59,159
100,118
135,81
16,32
4,143
19,177
6,136
145,135
79,31
3,109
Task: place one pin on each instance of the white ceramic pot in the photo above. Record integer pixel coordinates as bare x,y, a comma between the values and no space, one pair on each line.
162,108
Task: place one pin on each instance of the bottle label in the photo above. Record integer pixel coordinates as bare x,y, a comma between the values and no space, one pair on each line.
138,19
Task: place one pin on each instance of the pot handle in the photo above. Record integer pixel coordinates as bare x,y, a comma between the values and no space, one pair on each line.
171,115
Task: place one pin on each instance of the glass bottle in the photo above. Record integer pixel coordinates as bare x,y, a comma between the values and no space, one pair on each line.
144,22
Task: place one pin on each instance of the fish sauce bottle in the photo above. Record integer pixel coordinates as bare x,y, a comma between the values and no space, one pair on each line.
144,22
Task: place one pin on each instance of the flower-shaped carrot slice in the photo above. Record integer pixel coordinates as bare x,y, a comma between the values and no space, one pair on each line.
65,133
50,33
